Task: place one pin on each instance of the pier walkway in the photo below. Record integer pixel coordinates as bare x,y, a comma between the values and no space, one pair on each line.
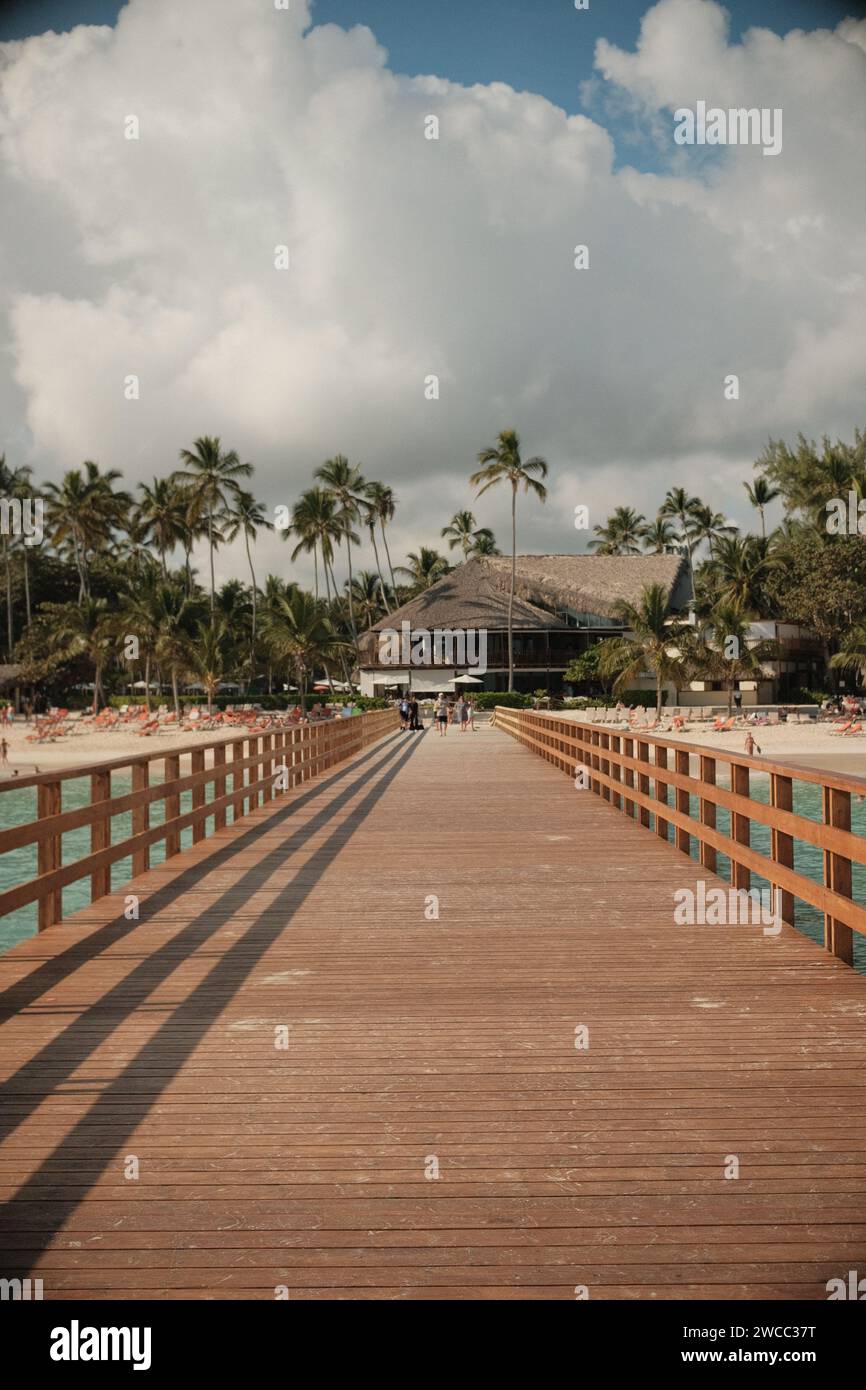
424,1027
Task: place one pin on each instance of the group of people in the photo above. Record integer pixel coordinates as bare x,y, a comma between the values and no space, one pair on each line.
446,711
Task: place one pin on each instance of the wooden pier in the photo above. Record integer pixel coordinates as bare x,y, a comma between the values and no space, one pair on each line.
422,1026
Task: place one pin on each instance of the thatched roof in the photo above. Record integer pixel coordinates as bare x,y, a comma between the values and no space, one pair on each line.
9,675
471,596
475,594
594,583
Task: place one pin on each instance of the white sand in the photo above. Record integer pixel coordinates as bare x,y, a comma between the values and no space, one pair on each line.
97,746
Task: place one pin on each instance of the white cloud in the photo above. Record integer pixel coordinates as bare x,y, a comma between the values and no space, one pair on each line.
411,257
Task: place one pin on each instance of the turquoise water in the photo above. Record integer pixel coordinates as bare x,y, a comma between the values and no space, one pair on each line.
808,859
18,865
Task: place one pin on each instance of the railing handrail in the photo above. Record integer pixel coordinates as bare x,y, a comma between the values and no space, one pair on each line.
303,749
623,779
801,772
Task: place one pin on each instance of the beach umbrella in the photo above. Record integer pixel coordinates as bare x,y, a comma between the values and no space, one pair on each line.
466,680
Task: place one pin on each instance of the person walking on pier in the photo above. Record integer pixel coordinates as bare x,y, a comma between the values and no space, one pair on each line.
442,715
414,723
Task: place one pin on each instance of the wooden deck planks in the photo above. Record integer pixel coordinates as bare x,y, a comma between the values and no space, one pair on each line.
413,1039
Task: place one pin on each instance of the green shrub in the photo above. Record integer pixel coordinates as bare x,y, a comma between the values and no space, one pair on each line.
511,699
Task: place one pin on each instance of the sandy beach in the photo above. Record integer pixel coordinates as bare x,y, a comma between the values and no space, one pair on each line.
814,745
86,748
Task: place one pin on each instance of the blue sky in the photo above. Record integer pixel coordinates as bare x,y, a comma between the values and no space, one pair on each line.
543,46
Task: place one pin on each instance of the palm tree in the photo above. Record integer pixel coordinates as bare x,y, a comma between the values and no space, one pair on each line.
679,504
346,485
370,519
247,515
368,598
23,489
761,494
424,569
14,483
502,463
213,476
314,522
163,517
659,536
175,615
137,616
484,543
653,644
851,655
739,569
299,632
84,510
205,657
461,530
382,499
707,525
622,533
723,650
85,629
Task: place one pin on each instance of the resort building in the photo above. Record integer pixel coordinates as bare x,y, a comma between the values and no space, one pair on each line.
562,605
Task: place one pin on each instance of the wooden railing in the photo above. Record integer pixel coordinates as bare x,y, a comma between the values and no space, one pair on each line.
657,790
252,763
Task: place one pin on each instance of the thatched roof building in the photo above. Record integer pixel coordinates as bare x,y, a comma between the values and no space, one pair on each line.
561,603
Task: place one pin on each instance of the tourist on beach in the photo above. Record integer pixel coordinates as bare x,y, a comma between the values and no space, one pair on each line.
471,705
751,746
414,724
738,700
404,714
463,715
442,715
4,753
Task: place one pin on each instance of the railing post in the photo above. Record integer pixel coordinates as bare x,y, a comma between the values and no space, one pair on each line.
140,817
605,765
238,778
683,801
616,770
709,854
100,834
643,781
740,826
198,796
219,785
838,937
172,805
628,774
595,760
782,845
49,854
661,790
